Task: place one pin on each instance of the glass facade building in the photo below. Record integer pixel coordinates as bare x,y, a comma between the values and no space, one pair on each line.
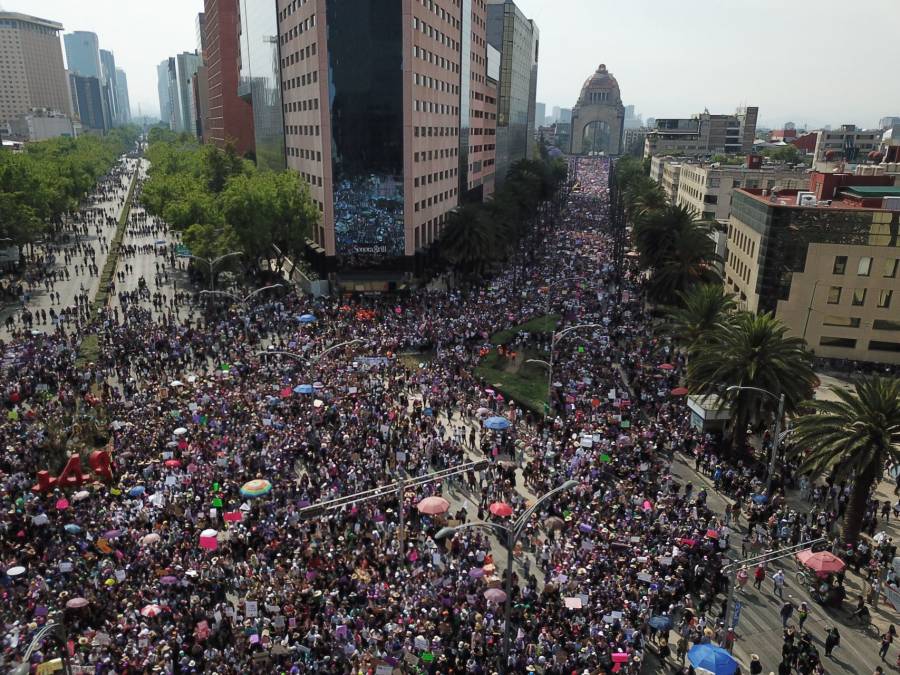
516,38
260,79
83,53
365,91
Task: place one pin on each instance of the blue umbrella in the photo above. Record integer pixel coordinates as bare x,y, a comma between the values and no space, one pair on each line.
136,491
428,412
661,623
306,318
714,659
760,499
304,389
72,528
496,423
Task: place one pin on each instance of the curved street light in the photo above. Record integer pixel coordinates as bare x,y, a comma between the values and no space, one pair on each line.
509,535
557,336
777,437
54,630
212,263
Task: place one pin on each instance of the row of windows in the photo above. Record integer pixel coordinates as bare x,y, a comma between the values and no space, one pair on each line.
478,131
432,32
301,27
428,155
437,85
859,296
435,177
424,132
856,322
302,129
738,266
290,9
304,153
864,266
436,199
439,11
599,96
301,81
315,181
482,148
299,55
435,59
435,108
850,343
429,231
300,106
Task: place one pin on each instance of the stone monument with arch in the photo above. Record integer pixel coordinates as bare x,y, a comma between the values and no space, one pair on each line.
598,119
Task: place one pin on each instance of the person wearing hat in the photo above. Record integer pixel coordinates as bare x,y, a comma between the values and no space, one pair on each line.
755,666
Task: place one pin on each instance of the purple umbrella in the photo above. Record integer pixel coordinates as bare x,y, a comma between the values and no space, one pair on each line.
112,534
476,572
168,580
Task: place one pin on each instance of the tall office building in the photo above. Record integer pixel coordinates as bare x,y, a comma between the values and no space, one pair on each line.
540,114
229,117
90,106
122,97
108,82
516,38
32,74
166,111
259,80
390,116
186,65
83,53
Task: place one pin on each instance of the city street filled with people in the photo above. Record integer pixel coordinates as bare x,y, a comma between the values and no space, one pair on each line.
208,543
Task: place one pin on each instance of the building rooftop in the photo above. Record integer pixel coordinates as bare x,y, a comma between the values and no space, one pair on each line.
16,16
788,199
872,191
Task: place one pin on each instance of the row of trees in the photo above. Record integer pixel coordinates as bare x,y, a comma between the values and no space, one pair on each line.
674,247
51,178
222,202
480,234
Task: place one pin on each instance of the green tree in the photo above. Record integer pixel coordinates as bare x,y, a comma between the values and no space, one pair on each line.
752,350
854,438
699,313
470,240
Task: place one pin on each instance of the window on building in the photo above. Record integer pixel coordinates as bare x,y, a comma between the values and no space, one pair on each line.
847,343
859,297
884,298
890,268
885,324
834,295
840,264
865,267
841,321
883,346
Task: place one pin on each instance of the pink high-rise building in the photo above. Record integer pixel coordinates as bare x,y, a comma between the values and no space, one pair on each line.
389,115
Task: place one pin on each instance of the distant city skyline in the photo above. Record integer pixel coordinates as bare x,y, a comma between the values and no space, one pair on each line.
671,60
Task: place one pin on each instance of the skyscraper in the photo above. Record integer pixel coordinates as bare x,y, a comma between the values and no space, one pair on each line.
90,107
83,53
516,38
229,117
166,108
390,116
186,65
108,83
122,97
31,66
259,81
540,114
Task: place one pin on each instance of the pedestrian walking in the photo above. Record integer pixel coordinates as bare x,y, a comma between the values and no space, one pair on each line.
802,615
755,666
758,575
886,640
787,610
778,581
832,640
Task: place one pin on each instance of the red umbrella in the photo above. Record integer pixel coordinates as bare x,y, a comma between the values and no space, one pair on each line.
433,506
667,366
822,562
712,534
501,509
172,463
679,391
151,610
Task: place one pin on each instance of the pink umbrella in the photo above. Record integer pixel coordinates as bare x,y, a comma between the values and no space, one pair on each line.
62,504
76,603
151,610
433,506
501,509
679,391
173,463
647,505
494,595
712,534
209,539
148,539
667,366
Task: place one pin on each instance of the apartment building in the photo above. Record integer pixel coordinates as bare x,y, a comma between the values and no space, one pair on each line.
703,134
847,144
390,116
828,269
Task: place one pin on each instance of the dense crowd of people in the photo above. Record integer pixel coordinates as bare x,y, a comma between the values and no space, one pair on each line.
181,564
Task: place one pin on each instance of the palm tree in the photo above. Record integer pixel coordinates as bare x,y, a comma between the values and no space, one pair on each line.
698,313
752,351
854,437
470,241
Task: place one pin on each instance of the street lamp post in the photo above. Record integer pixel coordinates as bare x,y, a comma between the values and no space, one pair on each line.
243,301
776,437
58,632
509,535
212,264
549,364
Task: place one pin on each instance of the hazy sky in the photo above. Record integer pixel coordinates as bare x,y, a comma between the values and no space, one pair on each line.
798,60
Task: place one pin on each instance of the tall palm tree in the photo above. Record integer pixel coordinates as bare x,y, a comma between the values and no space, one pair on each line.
752,351
855,437
470,241
698,313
